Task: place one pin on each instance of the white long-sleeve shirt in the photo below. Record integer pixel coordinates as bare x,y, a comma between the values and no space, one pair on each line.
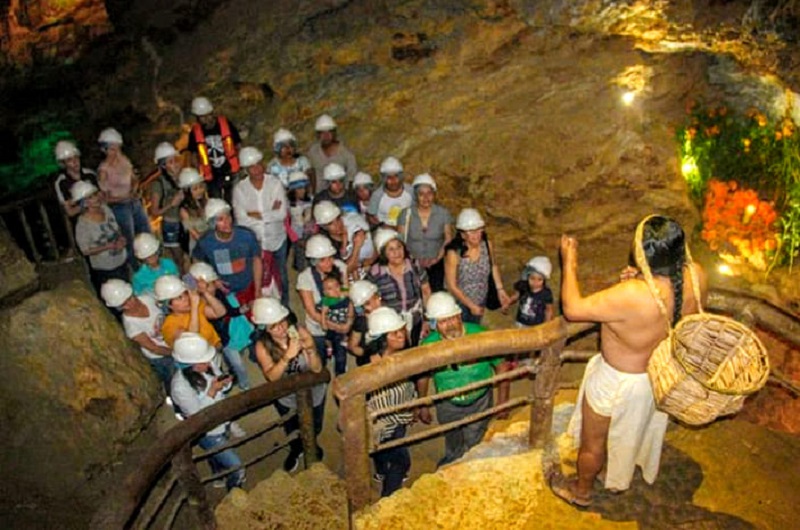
270,229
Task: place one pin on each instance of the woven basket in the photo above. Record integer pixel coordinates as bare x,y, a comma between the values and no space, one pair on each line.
708,363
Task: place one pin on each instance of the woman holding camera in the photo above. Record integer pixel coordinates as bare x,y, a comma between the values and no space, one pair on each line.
284,350
199,383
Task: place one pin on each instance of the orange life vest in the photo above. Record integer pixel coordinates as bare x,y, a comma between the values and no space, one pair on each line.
204,165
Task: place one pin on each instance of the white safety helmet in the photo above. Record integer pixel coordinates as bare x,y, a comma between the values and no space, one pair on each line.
539,265
333,171
469,219
391,166
110,136
203,271
82,189
145,245
201,106
214,207
362,179
168,287
191,348
282,136
164,150
297,179
324,123
441,305
268,311
424,180
326,212
116,292
319,246
361,291
384,320
382,236
66,149
188,177
250,156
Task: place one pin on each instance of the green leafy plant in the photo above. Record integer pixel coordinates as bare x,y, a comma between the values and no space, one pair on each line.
757,153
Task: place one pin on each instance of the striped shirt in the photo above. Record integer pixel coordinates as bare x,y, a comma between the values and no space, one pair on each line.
390,396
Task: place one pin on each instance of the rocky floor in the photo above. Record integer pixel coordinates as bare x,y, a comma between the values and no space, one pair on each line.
730,475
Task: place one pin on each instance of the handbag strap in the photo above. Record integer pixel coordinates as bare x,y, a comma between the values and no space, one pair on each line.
641,262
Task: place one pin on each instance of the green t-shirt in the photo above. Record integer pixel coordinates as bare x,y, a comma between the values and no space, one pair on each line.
448,378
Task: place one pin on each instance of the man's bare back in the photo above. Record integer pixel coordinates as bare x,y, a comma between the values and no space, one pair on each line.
628,339
631,325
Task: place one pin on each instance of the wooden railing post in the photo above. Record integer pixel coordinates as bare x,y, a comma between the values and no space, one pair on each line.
189,479
353,418
544,389
51,238
29,235
305,417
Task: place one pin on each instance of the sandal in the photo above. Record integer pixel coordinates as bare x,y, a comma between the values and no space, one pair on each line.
563,489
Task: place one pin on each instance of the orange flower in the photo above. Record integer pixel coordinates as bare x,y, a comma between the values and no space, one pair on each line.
770,244
778,136
746,142
762,120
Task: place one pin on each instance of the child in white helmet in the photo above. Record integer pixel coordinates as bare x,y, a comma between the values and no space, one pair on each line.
534,296
152,265
301,220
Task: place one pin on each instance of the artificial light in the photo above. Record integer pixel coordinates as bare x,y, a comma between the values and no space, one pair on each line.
628,97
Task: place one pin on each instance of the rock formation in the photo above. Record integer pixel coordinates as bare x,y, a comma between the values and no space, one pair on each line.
75,392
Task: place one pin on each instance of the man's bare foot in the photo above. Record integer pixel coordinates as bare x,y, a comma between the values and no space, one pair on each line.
565,489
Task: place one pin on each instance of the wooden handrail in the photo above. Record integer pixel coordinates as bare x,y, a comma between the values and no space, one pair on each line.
412,362
142,470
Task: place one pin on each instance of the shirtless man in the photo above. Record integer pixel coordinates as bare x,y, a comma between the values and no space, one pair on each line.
617,424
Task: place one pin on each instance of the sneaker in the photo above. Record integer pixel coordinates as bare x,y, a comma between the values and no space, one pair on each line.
168,401
292,462
377,477
236,430
180,416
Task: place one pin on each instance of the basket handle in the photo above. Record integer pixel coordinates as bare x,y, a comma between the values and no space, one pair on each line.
641,262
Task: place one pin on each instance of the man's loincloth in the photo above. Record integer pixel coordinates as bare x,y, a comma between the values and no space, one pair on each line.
636,432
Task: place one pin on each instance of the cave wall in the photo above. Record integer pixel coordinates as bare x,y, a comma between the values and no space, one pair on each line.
75,392
32,30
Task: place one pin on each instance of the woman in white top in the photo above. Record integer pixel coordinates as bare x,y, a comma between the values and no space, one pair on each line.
320,256
349,233
199,383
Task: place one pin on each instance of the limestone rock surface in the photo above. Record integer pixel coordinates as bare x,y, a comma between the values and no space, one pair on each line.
74,392
17,274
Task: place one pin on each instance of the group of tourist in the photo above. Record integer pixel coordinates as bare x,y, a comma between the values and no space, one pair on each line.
380,269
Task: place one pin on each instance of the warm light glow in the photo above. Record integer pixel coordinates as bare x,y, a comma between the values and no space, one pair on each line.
748,213
688,167
628,97
725,269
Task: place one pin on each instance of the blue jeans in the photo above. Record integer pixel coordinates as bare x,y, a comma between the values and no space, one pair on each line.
281,257
132,220
339,351
236,363
227,459
393,464
467,316
164,367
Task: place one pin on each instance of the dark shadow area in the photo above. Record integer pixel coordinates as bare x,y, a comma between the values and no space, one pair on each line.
668,502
